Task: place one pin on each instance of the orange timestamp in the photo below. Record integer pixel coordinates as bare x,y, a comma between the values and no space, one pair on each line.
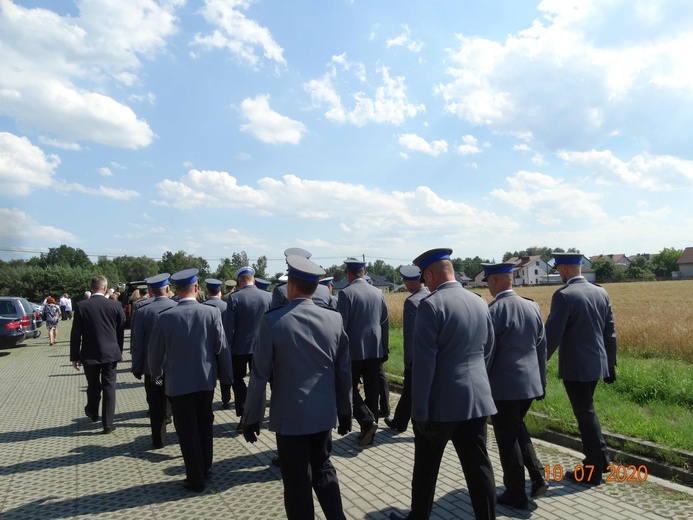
616,473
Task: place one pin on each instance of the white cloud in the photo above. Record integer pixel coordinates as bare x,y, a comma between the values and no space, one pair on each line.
583,71
267,125
396,217
538,192
57,143
55,71
404,40
468,146
652,172
389,104
238,35
101,191
418,144
105,171
18,227
24,167
242,156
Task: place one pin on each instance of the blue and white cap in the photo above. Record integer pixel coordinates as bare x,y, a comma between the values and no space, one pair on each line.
304,269
244,270
489,269
326,281
262,284
567,258
159,280
431,256
410,272
355,263
185,277
213,283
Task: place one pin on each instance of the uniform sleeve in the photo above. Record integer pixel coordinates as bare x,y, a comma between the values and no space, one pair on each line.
385,329
223,354
541,348
155,350
610,335
424,360
137,346
490,344
343,305
259,375
229,319
120,326
342,365
556,323
76,335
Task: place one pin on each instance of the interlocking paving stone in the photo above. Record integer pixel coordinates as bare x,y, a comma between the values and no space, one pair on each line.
55,463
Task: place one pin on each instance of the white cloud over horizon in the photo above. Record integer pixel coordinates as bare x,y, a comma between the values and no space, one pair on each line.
267,125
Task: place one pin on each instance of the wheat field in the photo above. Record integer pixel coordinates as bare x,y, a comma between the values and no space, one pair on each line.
653,319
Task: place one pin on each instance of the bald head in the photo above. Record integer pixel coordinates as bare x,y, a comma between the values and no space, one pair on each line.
438,273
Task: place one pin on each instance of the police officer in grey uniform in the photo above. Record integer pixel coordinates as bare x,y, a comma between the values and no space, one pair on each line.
244,310
214,299
306,349
451,393
518,376
159,406
411,275
581,326
327,282
189,345
364,312
261,284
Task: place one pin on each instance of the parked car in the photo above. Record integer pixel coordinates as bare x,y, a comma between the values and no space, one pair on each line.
18,321
38,311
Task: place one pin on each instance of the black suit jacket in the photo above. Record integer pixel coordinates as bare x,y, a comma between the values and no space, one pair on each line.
98,329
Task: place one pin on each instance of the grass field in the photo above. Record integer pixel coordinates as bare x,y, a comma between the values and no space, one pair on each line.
652,398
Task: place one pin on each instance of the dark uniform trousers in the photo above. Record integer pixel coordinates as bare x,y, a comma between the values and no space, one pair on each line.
403,410
469,439
241,366
581,399
515,446
365,411
193,418
101,378
383,393
306,467
159,409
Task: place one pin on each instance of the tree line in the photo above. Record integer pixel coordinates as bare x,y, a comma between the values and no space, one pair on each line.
66,269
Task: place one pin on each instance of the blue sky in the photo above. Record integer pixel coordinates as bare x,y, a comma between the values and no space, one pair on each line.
348,128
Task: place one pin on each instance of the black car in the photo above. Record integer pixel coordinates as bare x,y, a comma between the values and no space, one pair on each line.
18,321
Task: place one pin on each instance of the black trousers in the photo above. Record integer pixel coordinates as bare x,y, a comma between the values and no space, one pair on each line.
383,393
158,404
469,439
101,379
194,419
515,447
403,409
241,366
365,411
306,467
581,395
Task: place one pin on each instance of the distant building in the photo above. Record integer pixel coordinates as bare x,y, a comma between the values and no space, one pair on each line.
530,270
621,261
686,263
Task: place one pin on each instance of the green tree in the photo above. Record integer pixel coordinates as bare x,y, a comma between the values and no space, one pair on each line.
225,270
639,269
666,261
109,269
381,268
65,255
174,262
604,269
137,268
260,267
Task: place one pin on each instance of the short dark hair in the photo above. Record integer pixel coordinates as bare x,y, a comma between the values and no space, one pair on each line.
358,272
303,286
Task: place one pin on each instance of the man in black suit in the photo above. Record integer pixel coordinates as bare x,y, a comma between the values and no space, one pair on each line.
96,344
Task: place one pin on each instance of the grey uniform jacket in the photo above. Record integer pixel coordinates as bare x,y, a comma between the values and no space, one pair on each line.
364,312
188,343
518,368
242,321
581,326
306,349
454,338
141,330
408,317
218,303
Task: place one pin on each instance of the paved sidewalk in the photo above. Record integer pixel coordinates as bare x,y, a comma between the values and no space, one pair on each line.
55,463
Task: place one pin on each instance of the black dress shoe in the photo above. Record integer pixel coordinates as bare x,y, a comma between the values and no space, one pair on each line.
225,406
208,474
393,426
276,461
518,503
108,429
595,481
190,487
397,516
92,416
383,413
368,434
157,445
539,488
239,428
